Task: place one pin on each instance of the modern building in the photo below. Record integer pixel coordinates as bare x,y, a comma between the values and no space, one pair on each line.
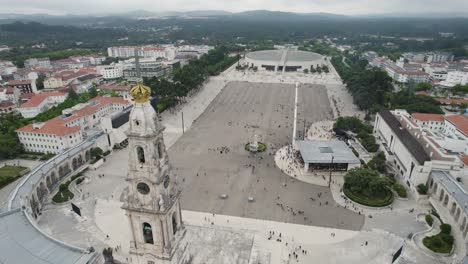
40,103
24,86
332,155
147,70
283,60
70,128
439,57
455,77
37,62
150,51
111,71
411,149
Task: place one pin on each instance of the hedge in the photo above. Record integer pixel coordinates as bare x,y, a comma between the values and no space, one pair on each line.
429,220
400,190
422,189
64,194
442,242
378,202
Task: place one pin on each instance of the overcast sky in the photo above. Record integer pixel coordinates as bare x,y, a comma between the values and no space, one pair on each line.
331,6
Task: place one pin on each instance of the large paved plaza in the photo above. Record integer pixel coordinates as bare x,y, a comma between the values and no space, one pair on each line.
210,159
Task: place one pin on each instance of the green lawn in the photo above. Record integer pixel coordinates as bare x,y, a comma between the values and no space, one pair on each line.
9,174
385,200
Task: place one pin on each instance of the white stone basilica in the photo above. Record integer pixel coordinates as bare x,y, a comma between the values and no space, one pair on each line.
152,197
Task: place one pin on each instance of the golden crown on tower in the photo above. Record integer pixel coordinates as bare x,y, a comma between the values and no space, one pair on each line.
140,93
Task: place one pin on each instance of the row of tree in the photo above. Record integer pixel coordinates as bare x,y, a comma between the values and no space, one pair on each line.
169,91
372,89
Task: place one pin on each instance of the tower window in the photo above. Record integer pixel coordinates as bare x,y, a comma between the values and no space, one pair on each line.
148,233
174,223
160,152
141,154
137,122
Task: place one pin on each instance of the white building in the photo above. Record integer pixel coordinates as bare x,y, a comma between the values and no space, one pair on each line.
111,71
399,74
410,150
70,128
455,77
439,57
37,62
23,74
40,103
9,94
7,67
24,86
456,133
150,51
435,122
53,82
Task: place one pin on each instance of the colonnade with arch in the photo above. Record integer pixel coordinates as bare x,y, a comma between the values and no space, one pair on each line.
51,179
440,194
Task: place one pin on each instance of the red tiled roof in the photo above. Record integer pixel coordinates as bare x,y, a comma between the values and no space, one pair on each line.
460,121
23,71
74,75
57,126
452,100
421,93
464,158
6,104
10,90
19,82
39,98
428,117
27,95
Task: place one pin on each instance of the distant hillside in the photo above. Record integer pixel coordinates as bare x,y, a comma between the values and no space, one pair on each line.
278,15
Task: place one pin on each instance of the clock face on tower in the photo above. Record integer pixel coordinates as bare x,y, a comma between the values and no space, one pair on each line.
143,188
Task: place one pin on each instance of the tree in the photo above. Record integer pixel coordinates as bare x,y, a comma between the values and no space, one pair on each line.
93,92
463,107
378,163
72,95
424,86
96,152
40,82
367,182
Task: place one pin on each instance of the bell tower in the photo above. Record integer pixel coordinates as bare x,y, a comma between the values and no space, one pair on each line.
151,200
